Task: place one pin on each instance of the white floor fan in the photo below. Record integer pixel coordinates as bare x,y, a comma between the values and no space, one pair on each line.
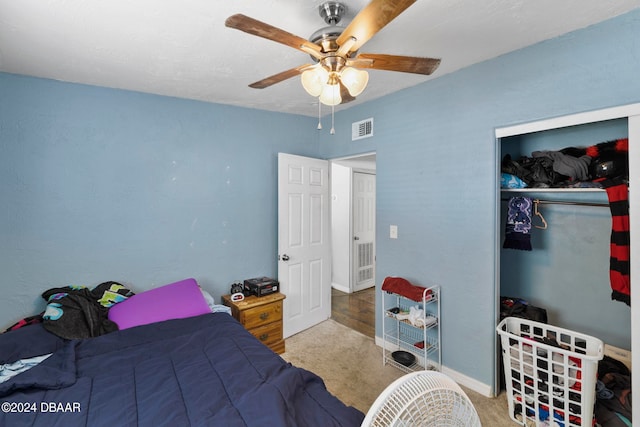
422,399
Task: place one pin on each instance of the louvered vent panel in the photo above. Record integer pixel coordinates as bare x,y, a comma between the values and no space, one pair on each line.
365,261
362,129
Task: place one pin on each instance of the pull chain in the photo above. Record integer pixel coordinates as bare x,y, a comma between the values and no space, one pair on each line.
319,114
333,129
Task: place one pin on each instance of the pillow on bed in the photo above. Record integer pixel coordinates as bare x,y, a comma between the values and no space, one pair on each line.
174,301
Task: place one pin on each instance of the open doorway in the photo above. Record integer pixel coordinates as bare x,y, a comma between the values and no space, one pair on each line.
353,201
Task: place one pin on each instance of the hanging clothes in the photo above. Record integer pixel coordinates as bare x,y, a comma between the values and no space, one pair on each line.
618,194
518,227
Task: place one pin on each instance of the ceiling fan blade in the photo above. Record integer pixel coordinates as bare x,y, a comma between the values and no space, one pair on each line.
406,64
277,78
372,19
269,32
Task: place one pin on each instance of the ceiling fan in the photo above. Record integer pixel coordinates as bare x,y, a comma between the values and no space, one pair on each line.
336,76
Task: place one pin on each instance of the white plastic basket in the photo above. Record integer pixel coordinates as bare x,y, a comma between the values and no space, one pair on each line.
546,382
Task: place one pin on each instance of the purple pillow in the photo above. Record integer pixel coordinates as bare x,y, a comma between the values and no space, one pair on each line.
174,301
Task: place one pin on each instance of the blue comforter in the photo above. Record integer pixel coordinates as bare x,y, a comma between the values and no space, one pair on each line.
201,371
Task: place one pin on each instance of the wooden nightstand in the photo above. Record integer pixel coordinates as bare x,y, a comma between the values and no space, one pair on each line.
262,316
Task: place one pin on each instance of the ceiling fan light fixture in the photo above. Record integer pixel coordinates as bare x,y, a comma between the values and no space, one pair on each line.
331,94
335,48
314,79
354,80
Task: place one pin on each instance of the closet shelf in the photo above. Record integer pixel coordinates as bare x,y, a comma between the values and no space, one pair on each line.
552,190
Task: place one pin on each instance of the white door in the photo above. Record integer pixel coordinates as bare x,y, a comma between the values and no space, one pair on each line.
304,250
364,229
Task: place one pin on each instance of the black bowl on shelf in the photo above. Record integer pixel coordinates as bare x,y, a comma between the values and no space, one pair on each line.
403,357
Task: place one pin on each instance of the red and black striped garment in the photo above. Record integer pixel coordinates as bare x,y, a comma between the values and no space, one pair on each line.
618,194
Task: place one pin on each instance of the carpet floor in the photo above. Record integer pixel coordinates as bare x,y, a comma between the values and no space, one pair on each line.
350,364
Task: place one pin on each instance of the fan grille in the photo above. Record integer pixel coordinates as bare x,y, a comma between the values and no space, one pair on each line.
425,398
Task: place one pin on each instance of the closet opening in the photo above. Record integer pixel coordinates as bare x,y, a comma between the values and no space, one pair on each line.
562,266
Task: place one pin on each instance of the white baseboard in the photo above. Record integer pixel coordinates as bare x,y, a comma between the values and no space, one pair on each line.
471,383
462,379
380,343
341,288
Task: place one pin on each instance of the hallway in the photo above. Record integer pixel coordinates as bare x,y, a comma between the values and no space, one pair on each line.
355,310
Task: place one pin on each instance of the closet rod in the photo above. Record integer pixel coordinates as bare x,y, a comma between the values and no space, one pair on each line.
560,202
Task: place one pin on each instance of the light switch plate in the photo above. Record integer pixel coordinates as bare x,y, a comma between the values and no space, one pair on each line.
393,232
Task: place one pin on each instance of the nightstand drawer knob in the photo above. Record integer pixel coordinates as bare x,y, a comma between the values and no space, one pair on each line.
264,316
263,337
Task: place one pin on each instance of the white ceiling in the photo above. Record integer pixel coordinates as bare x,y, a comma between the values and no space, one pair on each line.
182,48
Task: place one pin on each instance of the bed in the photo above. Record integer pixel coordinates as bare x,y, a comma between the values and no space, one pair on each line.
197,370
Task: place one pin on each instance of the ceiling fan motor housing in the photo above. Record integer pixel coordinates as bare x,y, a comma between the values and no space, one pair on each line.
332,13
326,38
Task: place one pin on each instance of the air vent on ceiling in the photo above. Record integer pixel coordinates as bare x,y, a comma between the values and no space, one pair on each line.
362,129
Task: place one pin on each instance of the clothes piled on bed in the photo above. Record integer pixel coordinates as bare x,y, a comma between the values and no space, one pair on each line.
29,320
75,312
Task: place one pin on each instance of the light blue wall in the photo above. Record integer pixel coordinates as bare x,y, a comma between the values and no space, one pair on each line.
436,166
100,184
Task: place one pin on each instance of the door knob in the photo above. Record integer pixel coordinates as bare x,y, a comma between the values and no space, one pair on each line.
285,257
356,238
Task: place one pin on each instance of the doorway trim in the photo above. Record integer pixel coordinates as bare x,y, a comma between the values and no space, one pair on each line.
341,207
